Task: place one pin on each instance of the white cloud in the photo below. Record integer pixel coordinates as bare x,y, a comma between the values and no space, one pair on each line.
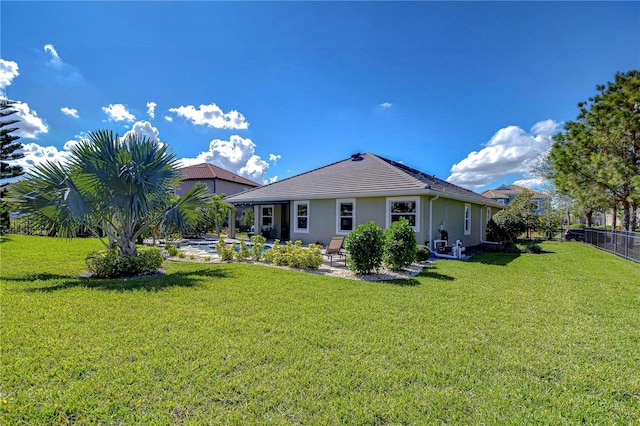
29,124
151,109
236,155
168,118
55,58
385,105
70,111
511,150
118,112
146,129
35,154
8,71
274,158
212,116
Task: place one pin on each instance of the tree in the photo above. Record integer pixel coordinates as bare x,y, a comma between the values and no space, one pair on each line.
597,157
504,227
549,221
247,218
112,186
215,213
523,207
9,150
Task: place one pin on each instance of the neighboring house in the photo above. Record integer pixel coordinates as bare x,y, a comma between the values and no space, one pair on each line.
506,193
335,199
219,181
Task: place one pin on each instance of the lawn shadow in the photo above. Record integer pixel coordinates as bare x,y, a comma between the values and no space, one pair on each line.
158,282
5,238
499,259
429,272
402,282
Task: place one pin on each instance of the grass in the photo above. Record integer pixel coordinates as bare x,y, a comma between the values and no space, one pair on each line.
501,339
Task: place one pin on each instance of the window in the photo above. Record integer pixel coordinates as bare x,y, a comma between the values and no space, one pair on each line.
267,216
488,214
467,219
301,216
345,216
407,207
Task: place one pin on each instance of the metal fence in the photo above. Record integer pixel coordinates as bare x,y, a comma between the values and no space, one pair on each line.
623,243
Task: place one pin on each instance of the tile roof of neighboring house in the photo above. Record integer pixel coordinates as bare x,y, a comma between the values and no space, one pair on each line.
209,171
361,175
510,191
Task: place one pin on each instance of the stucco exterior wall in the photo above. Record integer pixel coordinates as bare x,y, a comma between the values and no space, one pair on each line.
216,186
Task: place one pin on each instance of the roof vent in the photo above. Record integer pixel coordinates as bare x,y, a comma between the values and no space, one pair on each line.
357,157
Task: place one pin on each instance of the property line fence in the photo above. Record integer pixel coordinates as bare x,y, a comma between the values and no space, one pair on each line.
623,243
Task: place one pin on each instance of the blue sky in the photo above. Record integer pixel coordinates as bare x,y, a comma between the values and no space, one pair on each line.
468,91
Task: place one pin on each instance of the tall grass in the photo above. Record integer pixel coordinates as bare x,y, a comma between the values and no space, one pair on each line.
549,338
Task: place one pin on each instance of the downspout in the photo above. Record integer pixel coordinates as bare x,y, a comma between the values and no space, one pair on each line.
431,221
232,223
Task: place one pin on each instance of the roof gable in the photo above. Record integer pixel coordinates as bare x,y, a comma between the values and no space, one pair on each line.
361,175
510,191
209,171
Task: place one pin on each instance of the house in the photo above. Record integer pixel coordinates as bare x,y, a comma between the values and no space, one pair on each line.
219,181
506,193
335,199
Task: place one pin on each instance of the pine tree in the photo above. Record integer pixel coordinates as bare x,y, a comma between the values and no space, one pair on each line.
9,150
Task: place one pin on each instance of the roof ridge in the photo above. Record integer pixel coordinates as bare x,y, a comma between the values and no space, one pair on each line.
393,165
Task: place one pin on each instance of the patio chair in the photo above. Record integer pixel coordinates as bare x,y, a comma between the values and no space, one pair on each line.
335,249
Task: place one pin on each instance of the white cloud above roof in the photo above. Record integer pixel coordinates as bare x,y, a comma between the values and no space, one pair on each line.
72,112
146,129
236,155
510,150
8,71
211,115
118,112
151,109
385,105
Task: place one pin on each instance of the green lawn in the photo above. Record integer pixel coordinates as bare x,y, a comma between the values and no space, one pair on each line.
502,339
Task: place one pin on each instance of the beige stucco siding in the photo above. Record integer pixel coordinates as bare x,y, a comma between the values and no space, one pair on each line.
216,186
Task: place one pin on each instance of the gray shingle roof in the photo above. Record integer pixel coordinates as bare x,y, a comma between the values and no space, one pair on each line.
362,175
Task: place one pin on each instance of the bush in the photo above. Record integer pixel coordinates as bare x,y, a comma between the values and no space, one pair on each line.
225,252
365,248
112,264
530,248
172,250
422,253
244,252
257,250
505,227
294,255
399,245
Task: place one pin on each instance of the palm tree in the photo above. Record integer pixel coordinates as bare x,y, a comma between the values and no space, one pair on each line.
114,187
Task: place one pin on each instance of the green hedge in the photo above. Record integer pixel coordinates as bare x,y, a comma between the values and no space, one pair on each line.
112,264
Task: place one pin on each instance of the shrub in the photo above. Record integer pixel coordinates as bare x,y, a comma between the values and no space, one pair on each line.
225,252
181,255
258,247
422,253
399,245
294,255
244,252
505,227
530,248
172,250
112,264
365,247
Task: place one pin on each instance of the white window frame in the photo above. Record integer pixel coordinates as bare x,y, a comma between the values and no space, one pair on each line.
295,216
467,219
416,200
339,217
262,215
